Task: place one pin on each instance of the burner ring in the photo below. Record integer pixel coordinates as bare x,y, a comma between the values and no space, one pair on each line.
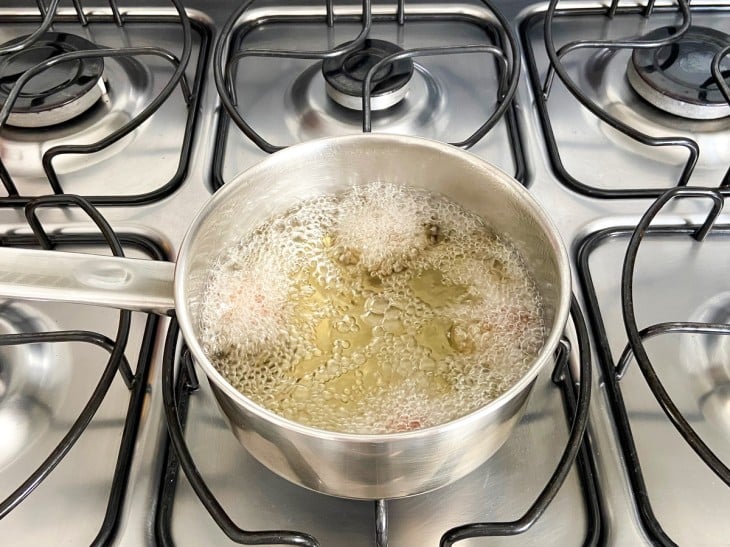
344,76
677,78
58,93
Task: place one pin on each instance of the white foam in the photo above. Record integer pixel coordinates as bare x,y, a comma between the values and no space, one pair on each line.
383,225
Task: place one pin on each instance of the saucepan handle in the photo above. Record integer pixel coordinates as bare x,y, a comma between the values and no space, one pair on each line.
124,283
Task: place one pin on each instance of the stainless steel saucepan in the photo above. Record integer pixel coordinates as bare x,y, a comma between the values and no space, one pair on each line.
345,465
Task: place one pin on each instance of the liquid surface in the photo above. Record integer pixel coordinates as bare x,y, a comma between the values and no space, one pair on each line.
380,310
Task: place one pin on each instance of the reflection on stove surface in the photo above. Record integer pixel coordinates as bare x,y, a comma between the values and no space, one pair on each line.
34,381
706,359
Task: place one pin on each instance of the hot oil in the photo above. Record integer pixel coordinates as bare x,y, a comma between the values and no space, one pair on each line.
383,309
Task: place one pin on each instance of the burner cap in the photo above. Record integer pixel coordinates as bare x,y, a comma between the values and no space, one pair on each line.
58,93
344,76
677,78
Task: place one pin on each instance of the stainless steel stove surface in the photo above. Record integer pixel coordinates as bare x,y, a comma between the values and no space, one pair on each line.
593,180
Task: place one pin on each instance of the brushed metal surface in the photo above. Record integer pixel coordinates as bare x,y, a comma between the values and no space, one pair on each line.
372,466
110,281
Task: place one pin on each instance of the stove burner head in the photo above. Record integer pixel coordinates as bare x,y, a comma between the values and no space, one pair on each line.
344,76
677,78
58,93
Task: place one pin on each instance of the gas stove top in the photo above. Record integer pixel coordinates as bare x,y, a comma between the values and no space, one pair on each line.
183,102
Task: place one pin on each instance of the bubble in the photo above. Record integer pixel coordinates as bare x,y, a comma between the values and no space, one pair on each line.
383,309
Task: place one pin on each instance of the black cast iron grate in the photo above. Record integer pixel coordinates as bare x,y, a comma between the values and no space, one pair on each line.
556,56
48,15
505,52
576,398
135,379
614,371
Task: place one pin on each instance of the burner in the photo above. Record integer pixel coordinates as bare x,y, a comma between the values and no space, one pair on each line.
677,77
344,76
60,92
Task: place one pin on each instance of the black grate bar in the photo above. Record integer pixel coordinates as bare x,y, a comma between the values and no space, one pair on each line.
71,336
572,448
586,466
44,240
649,8
129,436
612,9
47,21
635,42
718,75
224,80
541,102
367,19
119,133
400,14
7,181
83,20
673,327
614,395
115,11
91,54
502,104
31,215
193,384
216,511
168,486
623,426
134,381
632,331
41,7
330,7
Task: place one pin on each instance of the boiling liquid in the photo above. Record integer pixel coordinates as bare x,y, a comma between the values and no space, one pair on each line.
379,310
